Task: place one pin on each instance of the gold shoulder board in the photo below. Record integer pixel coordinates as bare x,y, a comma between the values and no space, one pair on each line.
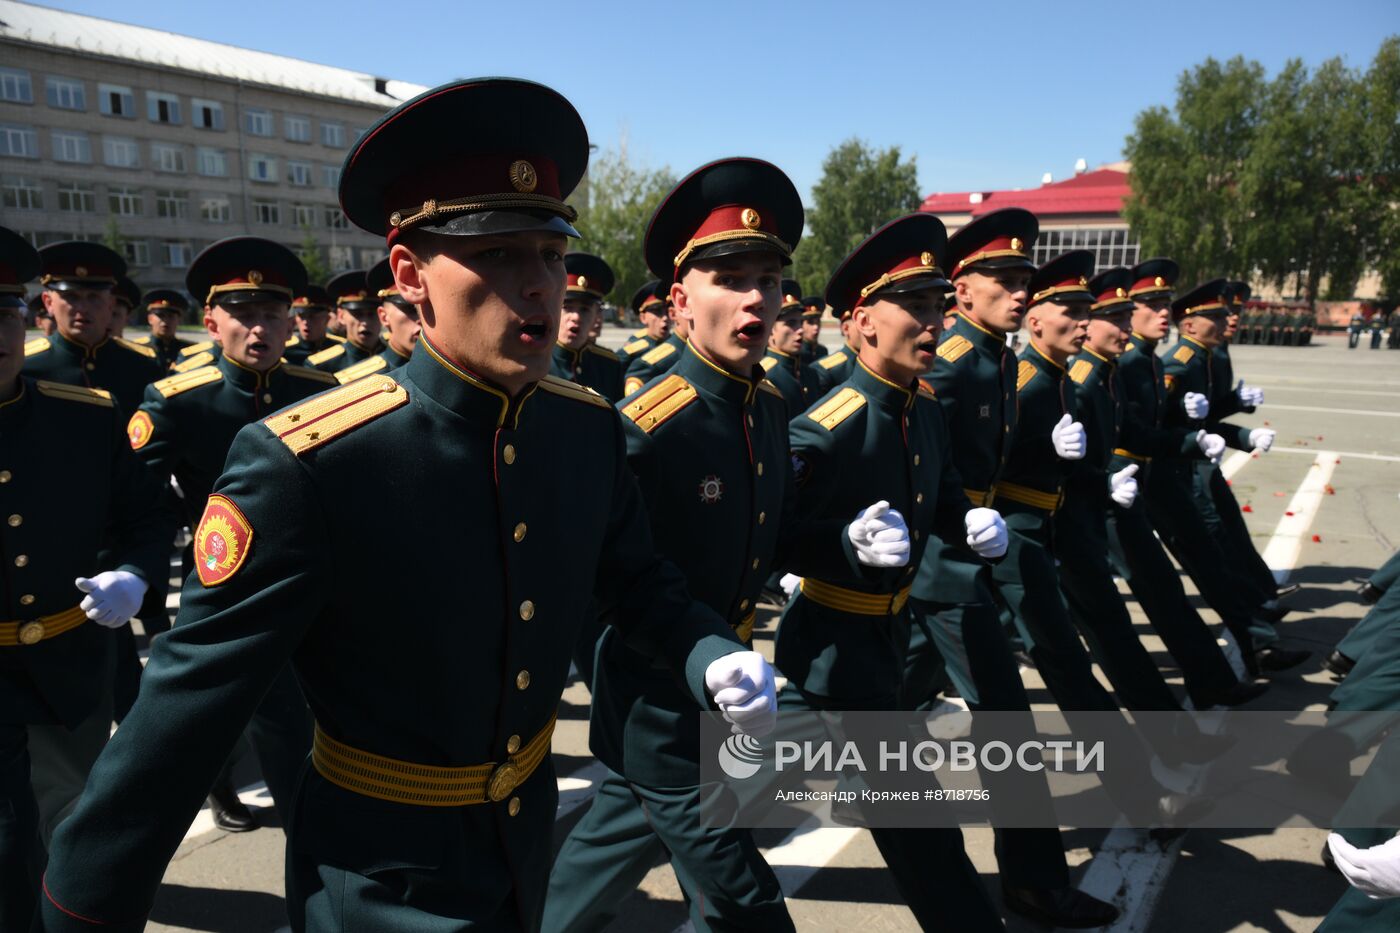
1183,354
37,345
954,347
658,353
172,386
837,408
1024,374
135,347
203,346
329,353
926,392
831,360
325,417
194,362
650,410
771,389
557,386
604,352
144,340
1081,370
768,363
335,337
292,341
639,332
636,346
315,375
360,370
74,393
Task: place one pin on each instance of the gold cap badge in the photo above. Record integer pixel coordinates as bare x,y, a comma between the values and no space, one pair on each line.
749,218
1119,293
522,176
255,277
926,258
1016,243
583,281
81,271
1083,281
1159,281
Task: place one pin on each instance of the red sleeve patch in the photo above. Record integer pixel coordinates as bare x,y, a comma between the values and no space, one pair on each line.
139,430
221,541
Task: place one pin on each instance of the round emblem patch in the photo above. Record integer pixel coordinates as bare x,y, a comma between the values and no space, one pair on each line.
221,541
522,176
139,430
749,218
711,489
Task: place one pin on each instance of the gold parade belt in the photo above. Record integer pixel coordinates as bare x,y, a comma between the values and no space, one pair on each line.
843,600
31,633
980,497
372,775
1122,452
1012,492
744,629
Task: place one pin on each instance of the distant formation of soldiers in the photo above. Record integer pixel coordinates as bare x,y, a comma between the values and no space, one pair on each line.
1276,325
546,502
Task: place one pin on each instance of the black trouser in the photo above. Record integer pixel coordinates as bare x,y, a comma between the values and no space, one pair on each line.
1220,510
280,733
21,852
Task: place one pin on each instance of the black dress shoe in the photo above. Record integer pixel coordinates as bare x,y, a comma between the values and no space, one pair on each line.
1328,861
1275,614
1237,694
1370,595
1288,590
1339,664
1059,907
1272,660
230,814
1175,809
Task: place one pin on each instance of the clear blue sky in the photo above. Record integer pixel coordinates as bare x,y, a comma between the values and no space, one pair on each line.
986,95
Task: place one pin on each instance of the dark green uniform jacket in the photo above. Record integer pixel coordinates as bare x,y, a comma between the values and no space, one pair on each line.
974,378
794,381
386,360
595,367
70,488
1099,402
811,352
1044,396
341,356
1145,434
452,666
836,366
1223,400
167,351
122,368
635,347
647,366
297,350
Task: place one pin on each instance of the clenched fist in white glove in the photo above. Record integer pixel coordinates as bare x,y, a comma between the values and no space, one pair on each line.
1068,438
743,688
1375,871
1197,405
1212,445
986,532
113,597
788,582
1122,487
1262,439
880,537
1249,396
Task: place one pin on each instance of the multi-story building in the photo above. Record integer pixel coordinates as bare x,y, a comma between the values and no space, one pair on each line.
175,142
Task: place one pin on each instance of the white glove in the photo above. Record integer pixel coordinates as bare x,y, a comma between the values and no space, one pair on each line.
1122,487
113,597
1068,438
1250,396
986,532
1374,871
880,536
1197,405
1262,438
789,582
743,688
1212,445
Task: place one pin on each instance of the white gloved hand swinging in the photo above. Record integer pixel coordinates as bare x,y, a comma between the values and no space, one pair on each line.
1249,396
1068,437
743,687
986,532
1262,439
1374,871
1197,405
880,537
1212,445
1123,487
113,597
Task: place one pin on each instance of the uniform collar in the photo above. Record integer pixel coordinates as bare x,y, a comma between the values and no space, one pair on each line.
979,335
1094,359
14,409
793,363
60,342
1138,340
880,390
1041,359
456,388
390,354
566,357
243,377
1196,343
713,379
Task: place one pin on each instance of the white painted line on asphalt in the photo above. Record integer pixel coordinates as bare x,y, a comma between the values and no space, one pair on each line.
1237,461
1356,454
1316,390
1371,412
1281,553
1131,871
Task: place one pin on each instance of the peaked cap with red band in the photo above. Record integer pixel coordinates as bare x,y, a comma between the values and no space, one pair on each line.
79,264
904,255
479,156
723,208
19,263
792,295
1240,292
650,298
1110,288
312,298
165,300
1000,240
242,269
381,287
588,275
1211,297
813,306
1063,279
1154,277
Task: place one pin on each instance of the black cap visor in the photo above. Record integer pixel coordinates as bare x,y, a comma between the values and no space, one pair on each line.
489,223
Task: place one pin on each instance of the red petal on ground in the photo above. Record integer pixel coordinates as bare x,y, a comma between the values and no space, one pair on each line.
1246,508
1289,512
1317,539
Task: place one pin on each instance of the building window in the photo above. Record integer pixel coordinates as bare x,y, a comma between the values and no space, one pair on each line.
77,198
360,132
65,93
333,135
215,210
336,220
212,163
163,108
121,152
330,176
175,253
262,167
15,86
206,114
124,202
23,194
18,141
304,215
71,147
258,122
368,257
115,101
138,252
1111,246
267,212
299,174
342,258
172,205
298,129
167,158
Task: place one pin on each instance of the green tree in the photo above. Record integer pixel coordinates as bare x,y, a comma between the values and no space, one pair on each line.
309,252
622,196
1379,188
112,237
860,189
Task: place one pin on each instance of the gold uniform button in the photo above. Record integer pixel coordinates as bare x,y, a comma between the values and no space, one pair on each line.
508,454
519,532
916,460
27,599
916,534
919,499
750,420
22,560
762,516
743,605
760,468
15,520
514,806
527,610
267,397
89,366
6,476
522,680
512,745
755,563
31,633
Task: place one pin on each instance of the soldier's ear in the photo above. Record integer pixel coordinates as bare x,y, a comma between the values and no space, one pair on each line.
408,273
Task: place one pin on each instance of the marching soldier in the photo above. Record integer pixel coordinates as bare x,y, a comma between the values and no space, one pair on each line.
430,794
836,366
358,313
312,314
200,353
165,309
1354,331
126,298
1377,328
79,507
576,358
79,279
399,325
812,349
646,366
40,314
650,308
782,360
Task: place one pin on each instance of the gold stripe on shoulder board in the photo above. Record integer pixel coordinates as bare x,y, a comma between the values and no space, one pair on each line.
36,345
329,353
135,347
305,372
557,386
771,389
650,410
361,369
658,353
1183,354
1024,374
952,349
1080,371
71,393
325,417
837,408
832,360
171,386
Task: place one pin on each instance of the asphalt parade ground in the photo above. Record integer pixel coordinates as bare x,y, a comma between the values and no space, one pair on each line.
1323,509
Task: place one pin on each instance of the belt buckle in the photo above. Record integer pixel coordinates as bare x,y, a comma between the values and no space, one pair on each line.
504,780
31,633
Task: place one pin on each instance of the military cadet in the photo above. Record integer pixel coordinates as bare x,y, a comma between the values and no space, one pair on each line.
186,425
79,279
398,320
812,349
79,508
649,306
200,353
836,366
646,366
1099,500
708,441
126,298
1377,328
40,314
430,794
576,358
312,313
358,313
165,308
954,619
782,360
1392,342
